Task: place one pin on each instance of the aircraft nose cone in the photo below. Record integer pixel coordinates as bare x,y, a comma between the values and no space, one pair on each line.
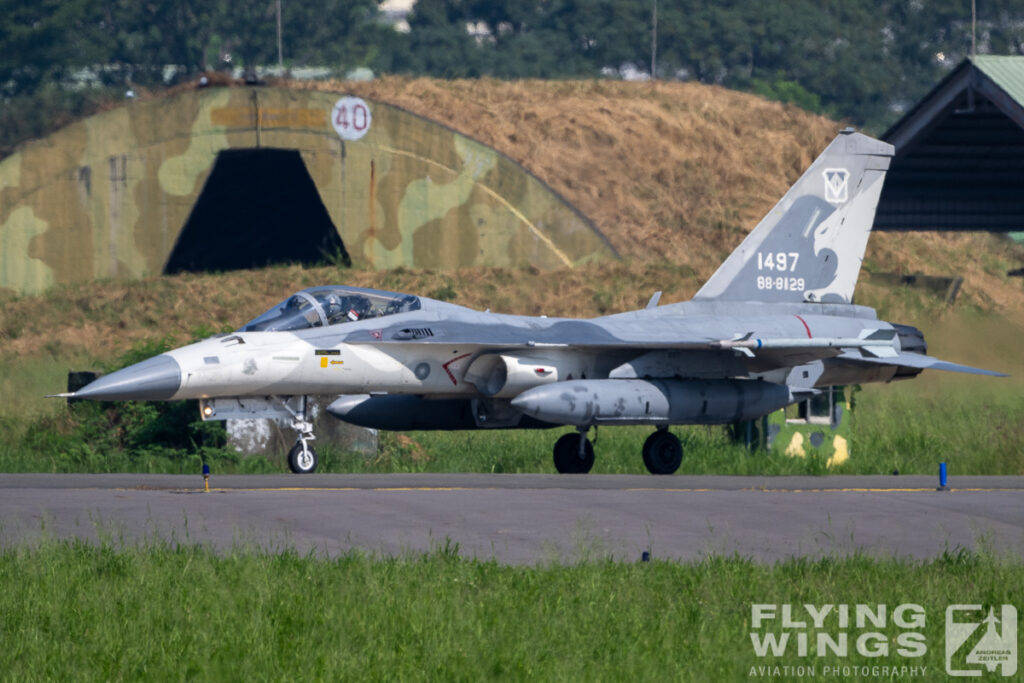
154,379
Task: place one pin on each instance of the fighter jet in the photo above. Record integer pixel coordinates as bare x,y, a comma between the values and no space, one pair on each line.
774,325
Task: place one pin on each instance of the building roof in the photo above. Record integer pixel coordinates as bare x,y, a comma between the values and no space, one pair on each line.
959,161
1006,72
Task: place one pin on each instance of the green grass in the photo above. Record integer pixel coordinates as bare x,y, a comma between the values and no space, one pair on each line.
15,459
976,429
904,427
24,384
75,611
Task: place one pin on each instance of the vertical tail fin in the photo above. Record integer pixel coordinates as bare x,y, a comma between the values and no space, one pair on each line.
811,244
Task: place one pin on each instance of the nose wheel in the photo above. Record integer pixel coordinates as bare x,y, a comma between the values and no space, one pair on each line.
301,458
574,454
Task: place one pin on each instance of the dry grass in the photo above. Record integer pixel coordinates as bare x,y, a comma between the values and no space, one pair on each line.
676,169
982,259
106,318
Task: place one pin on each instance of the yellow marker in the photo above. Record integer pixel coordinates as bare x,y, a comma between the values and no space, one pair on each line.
796,446
323,361
842,452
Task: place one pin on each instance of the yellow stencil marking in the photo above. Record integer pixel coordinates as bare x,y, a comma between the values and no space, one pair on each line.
841,454
796,446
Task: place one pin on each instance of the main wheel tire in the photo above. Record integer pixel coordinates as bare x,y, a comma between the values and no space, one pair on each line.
302,459
567,454
662,453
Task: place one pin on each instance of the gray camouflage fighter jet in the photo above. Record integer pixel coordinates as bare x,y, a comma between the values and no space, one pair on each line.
774,325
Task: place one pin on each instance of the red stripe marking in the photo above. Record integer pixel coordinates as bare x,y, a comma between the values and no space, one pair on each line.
805,326
445,366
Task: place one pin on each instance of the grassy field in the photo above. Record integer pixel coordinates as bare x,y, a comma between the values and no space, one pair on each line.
973,424
976,430
73,611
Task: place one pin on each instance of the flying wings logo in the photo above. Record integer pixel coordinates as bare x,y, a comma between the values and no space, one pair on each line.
974,643
836,185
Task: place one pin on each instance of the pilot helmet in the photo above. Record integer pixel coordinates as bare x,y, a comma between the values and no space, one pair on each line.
332,304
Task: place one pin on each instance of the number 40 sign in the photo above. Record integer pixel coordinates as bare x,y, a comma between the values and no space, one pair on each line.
351,118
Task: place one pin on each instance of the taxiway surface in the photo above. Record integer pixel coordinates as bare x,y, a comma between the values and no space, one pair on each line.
526,518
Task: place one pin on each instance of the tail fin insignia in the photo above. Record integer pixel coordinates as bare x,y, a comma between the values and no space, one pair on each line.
810,246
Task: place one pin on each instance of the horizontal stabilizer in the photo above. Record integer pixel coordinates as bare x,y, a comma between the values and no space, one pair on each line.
920,361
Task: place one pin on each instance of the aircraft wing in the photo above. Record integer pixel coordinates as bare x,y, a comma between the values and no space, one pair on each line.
921,361
585,336
872,347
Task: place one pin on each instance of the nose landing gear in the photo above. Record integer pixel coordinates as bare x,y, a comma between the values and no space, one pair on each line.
302,458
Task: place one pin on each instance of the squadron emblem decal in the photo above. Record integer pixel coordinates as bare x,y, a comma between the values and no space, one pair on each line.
836,186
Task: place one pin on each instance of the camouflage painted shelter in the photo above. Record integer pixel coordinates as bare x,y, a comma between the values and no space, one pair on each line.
220,178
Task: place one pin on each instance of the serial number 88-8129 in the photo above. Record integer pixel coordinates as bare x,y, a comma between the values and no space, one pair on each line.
789,284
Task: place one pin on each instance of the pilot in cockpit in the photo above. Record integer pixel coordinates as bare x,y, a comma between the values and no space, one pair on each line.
342,309
333,309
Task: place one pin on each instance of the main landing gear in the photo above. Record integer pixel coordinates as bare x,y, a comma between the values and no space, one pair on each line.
662,452
301,458
574,454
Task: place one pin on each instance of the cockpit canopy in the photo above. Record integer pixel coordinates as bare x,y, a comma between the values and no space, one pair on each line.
331,305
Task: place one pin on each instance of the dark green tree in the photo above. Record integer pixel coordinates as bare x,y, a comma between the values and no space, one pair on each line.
863,60
338,33
440,45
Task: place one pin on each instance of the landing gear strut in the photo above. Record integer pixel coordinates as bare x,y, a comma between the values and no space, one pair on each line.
301,458
574,454
663,452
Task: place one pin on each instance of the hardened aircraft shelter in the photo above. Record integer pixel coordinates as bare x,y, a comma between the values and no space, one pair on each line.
240,177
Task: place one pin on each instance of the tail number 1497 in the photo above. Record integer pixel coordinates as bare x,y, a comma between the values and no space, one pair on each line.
781,261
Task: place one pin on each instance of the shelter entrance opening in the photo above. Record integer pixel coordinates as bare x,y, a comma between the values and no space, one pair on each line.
258,207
